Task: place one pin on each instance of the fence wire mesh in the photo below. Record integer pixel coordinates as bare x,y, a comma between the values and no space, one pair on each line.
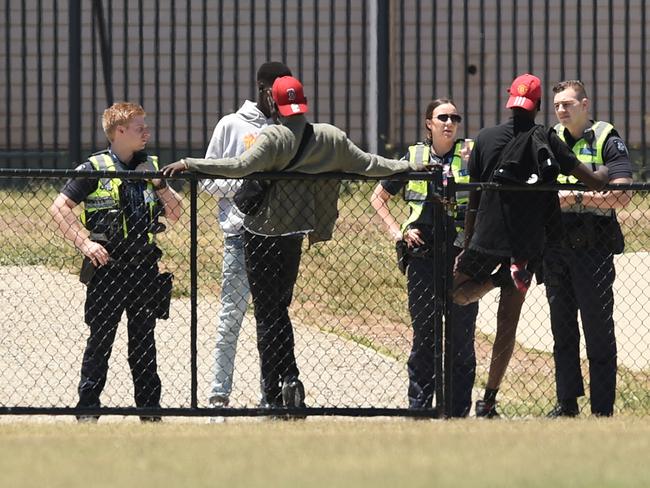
349,314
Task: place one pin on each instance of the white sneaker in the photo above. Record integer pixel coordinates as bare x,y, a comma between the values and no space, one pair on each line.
218,401
87,419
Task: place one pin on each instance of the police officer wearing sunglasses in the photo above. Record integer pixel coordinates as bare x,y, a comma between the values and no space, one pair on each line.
416,233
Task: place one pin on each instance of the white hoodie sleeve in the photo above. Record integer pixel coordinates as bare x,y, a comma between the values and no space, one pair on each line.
220,188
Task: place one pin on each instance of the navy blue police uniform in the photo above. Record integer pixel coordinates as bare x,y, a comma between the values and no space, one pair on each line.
579,276
420,273
120,214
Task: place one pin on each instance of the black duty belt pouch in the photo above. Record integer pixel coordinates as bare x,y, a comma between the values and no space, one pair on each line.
609,231
87,271
581,234
421,251
250,196
164,294
401,249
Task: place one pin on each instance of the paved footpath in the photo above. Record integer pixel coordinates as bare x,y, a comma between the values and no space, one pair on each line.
631,313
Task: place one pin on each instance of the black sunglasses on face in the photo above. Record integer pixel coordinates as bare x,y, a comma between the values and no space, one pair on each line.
455,118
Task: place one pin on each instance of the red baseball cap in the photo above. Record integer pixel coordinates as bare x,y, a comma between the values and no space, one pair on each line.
525,92
289,96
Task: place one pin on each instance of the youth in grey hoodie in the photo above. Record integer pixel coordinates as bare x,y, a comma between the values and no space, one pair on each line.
233,135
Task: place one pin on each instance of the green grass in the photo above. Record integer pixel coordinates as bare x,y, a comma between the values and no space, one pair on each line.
329,453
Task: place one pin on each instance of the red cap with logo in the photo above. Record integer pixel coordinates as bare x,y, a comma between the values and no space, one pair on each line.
289,96
525,92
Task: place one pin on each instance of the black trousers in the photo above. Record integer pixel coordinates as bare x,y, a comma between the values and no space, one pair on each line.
421,370
113,289
272,264
582,279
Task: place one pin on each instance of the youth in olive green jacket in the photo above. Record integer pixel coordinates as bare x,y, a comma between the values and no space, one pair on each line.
292,207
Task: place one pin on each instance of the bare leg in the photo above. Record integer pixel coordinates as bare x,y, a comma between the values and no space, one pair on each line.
467,290
510,303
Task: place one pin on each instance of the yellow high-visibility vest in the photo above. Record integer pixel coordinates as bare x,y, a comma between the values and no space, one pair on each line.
106,196
417,190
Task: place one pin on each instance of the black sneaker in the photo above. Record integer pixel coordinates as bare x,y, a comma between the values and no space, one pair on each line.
486,410
293,393
564,409
264,405
602,414
150,419
293,396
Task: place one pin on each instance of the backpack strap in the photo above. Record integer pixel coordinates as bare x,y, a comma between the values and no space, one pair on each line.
306,136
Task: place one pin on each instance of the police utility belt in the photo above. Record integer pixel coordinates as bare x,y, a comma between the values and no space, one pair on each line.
161,299
589,230
405,253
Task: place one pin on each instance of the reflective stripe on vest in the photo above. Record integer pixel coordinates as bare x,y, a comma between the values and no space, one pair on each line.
584,151
107,194
460,171
417,190
589,154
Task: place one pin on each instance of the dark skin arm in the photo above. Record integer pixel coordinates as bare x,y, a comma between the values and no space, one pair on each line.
174,168
470,216
594,180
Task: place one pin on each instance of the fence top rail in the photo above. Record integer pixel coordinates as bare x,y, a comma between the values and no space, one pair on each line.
24,173
554,187
270,175
267,175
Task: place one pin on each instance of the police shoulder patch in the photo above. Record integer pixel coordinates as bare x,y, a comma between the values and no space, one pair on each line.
620,145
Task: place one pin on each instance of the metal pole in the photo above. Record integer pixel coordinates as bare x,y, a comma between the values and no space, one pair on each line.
379,92
74,80
104,44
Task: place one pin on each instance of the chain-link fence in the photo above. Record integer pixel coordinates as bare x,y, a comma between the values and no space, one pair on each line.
349,315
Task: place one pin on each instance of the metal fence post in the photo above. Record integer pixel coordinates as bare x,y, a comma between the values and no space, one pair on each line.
193,290
449,195
439,290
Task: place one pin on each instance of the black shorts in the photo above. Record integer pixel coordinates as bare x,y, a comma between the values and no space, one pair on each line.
479,266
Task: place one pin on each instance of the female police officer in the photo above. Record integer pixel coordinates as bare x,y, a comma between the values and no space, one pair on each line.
440,147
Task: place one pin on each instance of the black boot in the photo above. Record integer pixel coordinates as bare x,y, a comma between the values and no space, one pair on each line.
564,408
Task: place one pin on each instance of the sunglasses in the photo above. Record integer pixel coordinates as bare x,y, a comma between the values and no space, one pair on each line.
455,118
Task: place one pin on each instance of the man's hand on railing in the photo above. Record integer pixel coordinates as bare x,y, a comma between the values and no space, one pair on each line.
173,168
